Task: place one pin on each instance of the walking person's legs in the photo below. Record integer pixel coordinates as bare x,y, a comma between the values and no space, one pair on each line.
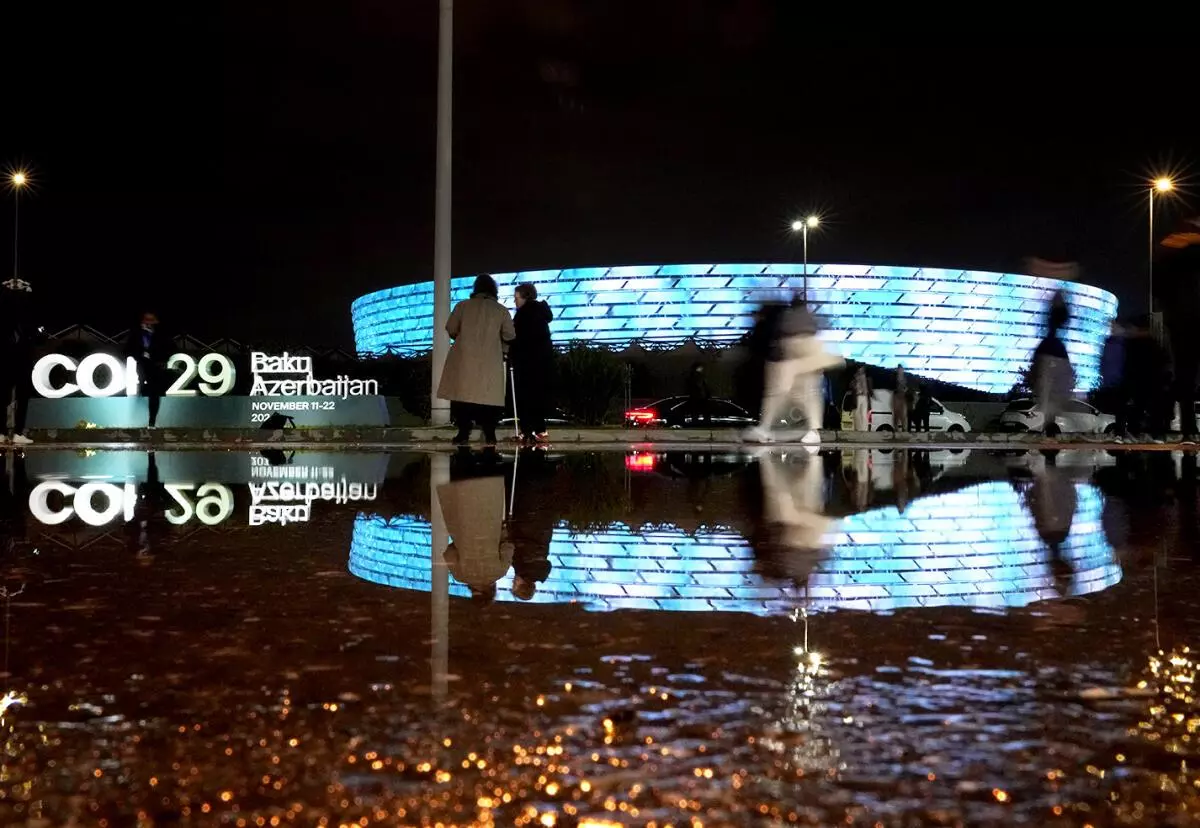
461,412
488,416
152,391
812,400
899,412
778,378
860,413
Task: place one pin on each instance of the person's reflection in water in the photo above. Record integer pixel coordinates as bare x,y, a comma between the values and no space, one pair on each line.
900,479
479,553
862,479
1137,501
149,514
789,541
1052,501
531,526
14,492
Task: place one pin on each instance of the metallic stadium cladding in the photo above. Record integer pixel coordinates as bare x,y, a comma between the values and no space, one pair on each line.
977,547
968,327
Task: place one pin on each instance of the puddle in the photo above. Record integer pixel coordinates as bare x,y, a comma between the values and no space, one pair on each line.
678,638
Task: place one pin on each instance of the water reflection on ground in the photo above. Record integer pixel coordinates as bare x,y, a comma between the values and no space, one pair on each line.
865,637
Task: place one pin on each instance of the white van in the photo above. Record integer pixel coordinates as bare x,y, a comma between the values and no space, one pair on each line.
879,415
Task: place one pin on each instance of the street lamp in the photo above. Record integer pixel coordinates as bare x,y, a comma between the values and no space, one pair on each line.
803,226
1162,185
17,181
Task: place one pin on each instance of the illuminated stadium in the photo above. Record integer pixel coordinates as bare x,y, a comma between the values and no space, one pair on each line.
971,328
977,547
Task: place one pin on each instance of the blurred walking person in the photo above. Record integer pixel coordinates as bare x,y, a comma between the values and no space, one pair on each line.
900,401
150,349
473,378
861,386
531,356
795,362
1053,376
1177,288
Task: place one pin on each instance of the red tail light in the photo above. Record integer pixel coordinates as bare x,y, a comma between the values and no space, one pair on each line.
640,461
641,415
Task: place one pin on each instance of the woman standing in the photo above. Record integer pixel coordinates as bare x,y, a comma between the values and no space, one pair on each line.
532,358
473,377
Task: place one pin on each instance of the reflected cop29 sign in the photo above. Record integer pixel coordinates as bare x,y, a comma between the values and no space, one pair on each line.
281,383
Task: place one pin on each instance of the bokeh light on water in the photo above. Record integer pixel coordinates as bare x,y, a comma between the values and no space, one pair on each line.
1023,656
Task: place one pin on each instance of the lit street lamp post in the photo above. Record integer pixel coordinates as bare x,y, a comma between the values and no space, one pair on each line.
439,410
1159,185
803,227
17,182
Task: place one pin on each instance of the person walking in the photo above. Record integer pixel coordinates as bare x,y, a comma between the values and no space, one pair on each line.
17,334
473,377
531,356
1053,376
1177,288
150,350
861,386
900,401
794,366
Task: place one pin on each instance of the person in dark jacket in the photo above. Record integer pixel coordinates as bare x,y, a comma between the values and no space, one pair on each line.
532,358
150,349
698,395
1143,381
1177,289
18,331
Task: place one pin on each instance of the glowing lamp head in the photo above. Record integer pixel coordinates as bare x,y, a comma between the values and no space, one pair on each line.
1164,185
19,179
797,226
812,221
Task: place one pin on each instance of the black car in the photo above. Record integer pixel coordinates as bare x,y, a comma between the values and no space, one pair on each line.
682,412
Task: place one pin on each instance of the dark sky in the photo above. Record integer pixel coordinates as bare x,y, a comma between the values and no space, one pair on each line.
249,169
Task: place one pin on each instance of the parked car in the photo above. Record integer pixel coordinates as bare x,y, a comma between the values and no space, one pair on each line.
1077,416
675,412
879,414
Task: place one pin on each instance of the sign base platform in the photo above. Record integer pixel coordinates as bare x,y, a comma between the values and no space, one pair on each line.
205,412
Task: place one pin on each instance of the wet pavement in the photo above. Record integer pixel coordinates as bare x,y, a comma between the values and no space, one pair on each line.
854,637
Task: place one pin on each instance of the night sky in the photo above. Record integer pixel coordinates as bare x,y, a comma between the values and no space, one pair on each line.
248,171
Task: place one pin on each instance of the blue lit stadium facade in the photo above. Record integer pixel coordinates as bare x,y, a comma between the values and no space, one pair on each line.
977,547
972,328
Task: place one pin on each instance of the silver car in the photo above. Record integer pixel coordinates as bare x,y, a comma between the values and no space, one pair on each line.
1077,416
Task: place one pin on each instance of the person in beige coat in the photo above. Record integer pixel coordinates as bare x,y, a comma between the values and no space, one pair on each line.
473,377
480,553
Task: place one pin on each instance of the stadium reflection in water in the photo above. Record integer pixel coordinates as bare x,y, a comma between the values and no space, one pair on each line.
992,543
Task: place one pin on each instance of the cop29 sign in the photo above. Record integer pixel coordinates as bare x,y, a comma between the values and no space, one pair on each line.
213,375
215,372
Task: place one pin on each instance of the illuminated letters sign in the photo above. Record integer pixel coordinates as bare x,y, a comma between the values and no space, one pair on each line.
216,375
98,504
292,376
285,375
